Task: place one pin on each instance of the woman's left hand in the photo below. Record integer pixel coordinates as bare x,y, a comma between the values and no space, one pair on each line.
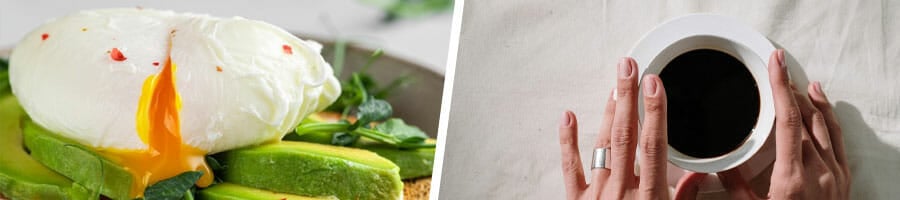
619,133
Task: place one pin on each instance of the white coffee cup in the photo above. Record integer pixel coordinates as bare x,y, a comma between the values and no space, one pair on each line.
675,37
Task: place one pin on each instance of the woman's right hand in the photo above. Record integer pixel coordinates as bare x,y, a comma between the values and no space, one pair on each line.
810,162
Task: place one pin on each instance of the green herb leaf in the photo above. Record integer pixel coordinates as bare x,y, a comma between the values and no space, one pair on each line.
341,126
368,83
375,55
398,83
340,51
360,86
404,133
373,110
173,188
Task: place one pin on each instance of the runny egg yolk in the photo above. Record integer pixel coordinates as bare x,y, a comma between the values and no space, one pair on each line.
158,126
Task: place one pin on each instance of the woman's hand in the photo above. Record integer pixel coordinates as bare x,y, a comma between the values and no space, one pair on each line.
810,162
619,132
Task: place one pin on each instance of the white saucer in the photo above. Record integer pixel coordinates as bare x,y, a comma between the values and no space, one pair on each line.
704,31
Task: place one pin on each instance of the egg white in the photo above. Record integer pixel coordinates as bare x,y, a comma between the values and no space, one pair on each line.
69,84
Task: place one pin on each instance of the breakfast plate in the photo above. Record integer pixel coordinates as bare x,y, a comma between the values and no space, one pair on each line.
418,103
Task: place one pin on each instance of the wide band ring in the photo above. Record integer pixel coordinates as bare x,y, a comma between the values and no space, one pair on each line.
599,159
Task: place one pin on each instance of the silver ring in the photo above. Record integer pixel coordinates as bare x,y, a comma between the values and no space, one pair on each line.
599,160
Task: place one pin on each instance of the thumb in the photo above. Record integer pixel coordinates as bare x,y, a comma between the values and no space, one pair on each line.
688,186
735,185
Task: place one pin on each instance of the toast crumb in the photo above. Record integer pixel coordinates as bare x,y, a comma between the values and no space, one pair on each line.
417,189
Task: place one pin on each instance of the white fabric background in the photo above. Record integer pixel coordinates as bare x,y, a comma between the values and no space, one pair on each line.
522,63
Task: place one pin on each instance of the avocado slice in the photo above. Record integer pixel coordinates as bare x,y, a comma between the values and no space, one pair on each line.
413,163
229,191
21,177
311,169
77,162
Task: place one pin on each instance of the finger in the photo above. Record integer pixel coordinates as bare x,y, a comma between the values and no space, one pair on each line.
834,129
689,185
573,173
815,124
624,129
788,121
735,184
653,139
811,156
600,175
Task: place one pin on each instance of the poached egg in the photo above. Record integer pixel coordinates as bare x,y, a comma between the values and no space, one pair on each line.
156,91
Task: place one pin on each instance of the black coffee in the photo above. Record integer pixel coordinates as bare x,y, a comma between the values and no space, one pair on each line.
713,103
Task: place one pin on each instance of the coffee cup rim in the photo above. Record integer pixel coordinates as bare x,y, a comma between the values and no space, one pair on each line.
707,31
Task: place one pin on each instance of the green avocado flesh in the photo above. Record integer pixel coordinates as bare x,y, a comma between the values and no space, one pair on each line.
228,191
311,169
413,163
21,177
77,162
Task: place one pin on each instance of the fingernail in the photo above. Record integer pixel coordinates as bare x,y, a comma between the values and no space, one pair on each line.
624,68
566,120
781,58
650,87
818,87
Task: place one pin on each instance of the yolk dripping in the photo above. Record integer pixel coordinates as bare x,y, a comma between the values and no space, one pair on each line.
158,126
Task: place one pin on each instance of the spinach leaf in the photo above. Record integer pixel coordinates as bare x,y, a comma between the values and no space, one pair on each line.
373,110
404,133
362,95
361,85
173,188
398,134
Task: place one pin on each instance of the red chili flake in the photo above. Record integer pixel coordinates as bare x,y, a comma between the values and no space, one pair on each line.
287,49
116,55
283,198
44,36
155,63
218,69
